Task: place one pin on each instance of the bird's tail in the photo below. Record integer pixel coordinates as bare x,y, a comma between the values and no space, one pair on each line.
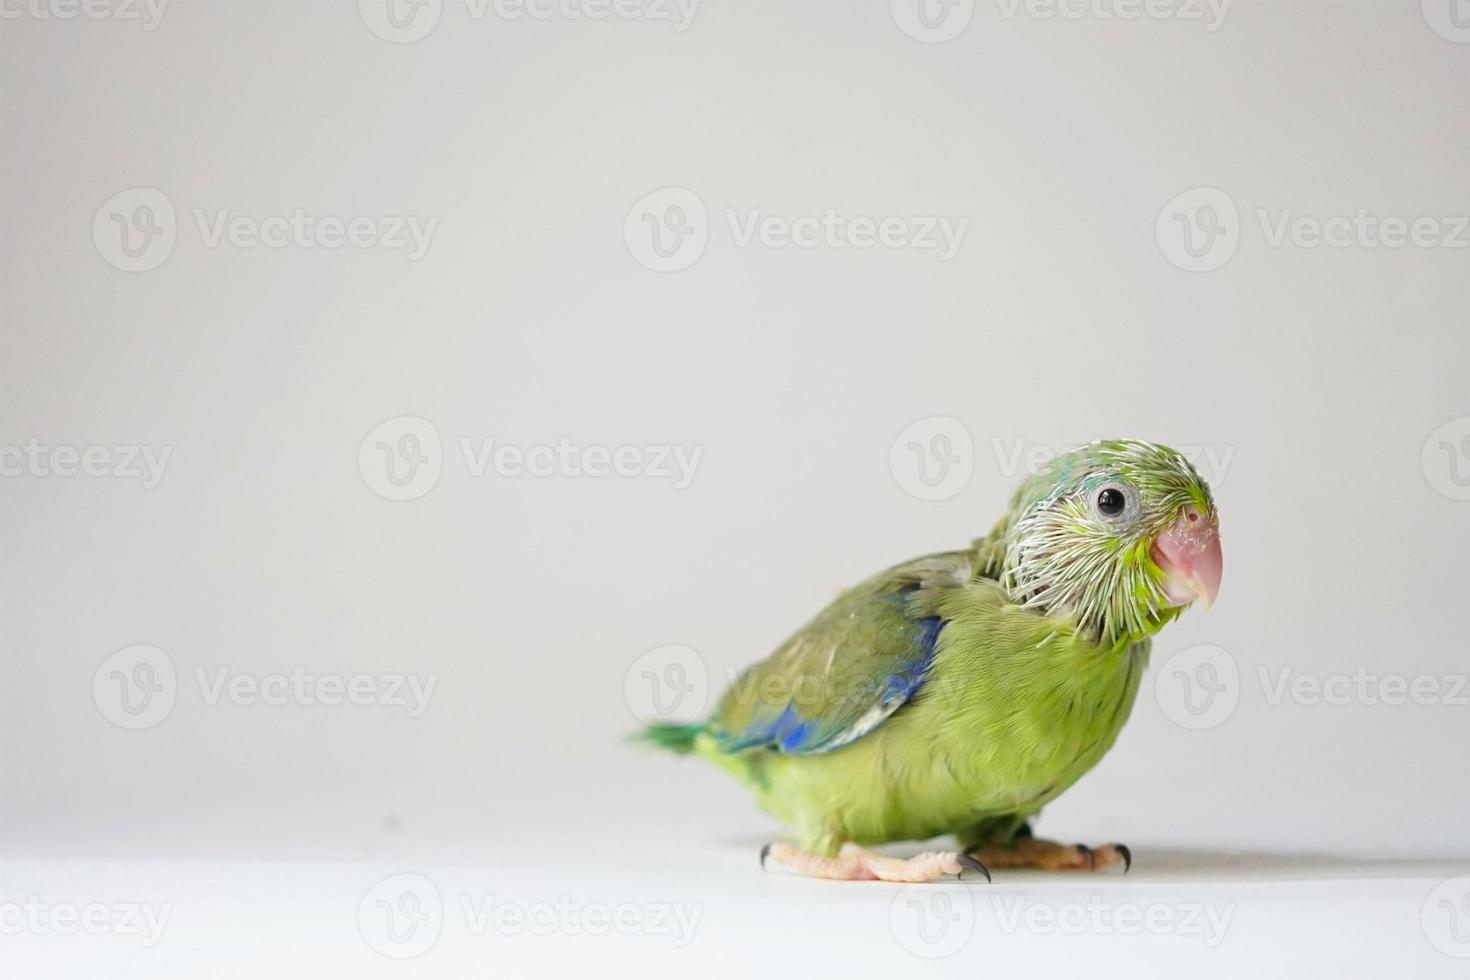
675,738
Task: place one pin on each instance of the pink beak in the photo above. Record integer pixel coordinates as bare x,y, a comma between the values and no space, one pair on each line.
1189,553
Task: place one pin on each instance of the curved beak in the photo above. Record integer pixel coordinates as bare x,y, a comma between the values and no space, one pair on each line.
1188,551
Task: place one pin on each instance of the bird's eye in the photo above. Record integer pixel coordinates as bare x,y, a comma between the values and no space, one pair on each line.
1116,502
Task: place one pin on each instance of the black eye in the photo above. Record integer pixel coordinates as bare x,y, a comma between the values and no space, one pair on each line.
1110,502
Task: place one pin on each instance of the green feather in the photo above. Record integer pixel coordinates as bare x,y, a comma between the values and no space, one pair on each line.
675,738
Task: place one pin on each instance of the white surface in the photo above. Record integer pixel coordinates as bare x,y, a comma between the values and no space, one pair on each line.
1204,914
1325,381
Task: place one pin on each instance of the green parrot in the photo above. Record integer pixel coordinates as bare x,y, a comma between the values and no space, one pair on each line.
961,692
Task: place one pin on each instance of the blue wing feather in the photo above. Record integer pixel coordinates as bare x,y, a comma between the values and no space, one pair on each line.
860,660
783,726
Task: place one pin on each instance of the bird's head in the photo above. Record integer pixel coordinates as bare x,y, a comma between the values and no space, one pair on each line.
1121,535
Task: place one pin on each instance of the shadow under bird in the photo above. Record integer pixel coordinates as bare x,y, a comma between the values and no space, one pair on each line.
961,692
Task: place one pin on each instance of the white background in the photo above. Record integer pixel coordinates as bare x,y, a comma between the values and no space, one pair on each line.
1319,379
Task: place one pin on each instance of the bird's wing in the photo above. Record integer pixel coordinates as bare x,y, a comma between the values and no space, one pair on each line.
842,674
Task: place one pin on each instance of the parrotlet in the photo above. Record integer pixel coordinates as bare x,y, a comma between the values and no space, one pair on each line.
959,693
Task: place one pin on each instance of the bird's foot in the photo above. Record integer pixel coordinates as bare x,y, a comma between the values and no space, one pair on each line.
854,863
1046,855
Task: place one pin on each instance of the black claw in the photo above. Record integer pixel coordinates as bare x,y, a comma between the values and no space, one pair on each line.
973,863
765,853
1086,852
1127,856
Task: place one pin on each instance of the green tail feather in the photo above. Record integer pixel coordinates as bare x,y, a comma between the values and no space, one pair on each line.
675,738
